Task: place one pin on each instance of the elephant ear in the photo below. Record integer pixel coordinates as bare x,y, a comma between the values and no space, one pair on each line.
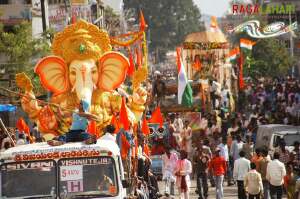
112,70
53,74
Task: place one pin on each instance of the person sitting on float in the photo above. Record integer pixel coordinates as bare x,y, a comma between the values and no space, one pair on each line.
77,132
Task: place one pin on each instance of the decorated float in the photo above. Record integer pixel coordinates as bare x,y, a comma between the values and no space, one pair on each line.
205,54
90,68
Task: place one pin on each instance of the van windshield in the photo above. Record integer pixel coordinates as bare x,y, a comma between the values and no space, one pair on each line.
94,176
291,138
35,179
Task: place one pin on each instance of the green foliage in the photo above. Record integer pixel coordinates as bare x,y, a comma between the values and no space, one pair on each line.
269,58
112,21
169,21
22,50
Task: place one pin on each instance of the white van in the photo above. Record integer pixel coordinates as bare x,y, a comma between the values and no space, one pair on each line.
269,135
72,170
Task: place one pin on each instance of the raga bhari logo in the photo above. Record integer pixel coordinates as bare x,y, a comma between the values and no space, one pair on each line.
256,9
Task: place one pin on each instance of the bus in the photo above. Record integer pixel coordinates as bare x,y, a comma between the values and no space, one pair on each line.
70,171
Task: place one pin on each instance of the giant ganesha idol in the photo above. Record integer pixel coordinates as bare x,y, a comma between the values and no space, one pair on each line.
83,68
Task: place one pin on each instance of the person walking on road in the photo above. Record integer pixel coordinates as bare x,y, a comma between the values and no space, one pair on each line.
262,169
240,169
182,172
275,174
253,183
169,160
201,162
225,154
218,167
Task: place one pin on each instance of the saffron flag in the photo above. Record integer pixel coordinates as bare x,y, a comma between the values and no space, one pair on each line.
233,54
156,117
185,92
214,24
114,121
124,116
131,68
145,127
22,126
247,44
143,24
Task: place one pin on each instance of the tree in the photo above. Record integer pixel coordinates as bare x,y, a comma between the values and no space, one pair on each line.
169,21
22,50
112,21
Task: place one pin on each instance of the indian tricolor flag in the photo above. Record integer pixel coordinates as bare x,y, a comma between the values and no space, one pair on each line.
247,44
233,54
185,92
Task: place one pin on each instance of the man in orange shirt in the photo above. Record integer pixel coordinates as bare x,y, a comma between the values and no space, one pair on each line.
218,168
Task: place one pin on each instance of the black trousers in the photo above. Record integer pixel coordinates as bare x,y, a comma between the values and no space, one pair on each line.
241,190
202,185
254,196
276,192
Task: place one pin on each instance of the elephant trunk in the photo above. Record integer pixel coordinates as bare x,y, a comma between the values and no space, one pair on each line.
84,87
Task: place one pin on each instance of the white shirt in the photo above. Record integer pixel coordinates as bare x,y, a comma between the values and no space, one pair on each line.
275,172
168,166
241,168
178,124
21,142
253,182
108,136
224,151
184,167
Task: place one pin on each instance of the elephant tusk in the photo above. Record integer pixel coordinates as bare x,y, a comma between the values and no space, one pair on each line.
73,89
94,86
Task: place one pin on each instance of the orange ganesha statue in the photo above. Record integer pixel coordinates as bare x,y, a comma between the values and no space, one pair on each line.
83,67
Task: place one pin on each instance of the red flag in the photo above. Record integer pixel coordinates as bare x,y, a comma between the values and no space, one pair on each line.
156,117
143,24
145,127
124,116
241,78
114,121
131,68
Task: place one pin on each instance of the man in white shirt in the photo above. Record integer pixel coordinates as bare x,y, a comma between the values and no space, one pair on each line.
240,169
169,160
109,135
275,174
236,147
225,154
253,183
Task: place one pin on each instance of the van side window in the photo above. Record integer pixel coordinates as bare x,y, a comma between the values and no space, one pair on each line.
276,141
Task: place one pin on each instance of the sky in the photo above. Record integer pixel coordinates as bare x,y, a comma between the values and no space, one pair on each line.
213,7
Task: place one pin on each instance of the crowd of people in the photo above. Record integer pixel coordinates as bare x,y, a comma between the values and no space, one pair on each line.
224,147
